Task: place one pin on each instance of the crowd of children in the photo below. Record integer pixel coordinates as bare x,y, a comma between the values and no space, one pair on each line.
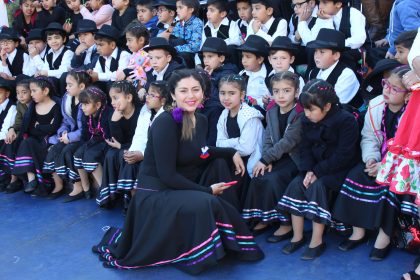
305,100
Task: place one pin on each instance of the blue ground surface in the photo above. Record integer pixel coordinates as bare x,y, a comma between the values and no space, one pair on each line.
42,239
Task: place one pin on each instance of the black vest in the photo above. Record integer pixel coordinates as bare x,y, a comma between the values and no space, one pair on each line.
333,77
222,33
114,62
295,21
242,28
3,114
273,27
345,24
16,67
56,64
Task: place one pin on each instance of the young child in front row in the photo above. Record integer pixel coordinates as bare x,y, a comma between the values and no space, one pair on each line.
325,159
244,9
89,156
279,162
254,52
60,156
8,149
40,123
361,202
403,44
264,24
123,123
239,126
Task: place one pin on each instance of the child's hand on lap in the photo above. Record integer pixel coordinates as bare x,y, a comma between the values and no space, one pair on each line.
132,157
259,169
113,143
64,138
308,179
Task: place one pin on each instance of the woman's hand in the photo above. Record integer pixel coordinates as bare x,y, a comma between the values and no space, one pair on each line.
113,143
218,188
239,164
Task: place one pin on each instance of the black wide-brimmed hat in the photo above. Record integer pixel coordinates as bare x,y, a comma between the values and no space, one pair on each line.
6,84
256,45
214,45
108,31
86,26
160,43
328,39
9,34
171,4
283,43
34,34
54,26
382,66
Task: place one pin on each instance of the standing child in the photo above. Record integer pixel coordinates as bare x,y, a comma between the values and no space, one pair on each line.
37,49
327,152
13,58
166,13
89,156
244,9
146,14
264,24
8,149
123,14
24,19
254,52
280,157
59,159
48,12
186,36
123,123
7,118
101,12
40,122
360,194
239,126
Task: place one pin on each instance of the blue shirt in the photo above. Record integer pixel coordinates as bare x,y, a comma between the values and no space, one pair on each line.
191,31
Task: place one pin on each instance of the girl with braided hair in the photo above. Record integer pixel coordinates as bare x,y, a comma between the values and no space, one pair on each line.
89,156
328,150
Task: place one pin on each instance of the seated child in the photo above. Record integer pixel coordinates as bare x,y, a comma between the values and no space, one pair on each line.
37,49
239,127
111,58
8,110
282,55
328,47
244,10
162,59
214,52
59,159
264,24
48,12
254,52
360,194
137,37
89,156
186,36
73,16
279,160
325,159
101,12
146,14
85,55
403,44
58,59
13,58
24,19
123,14
166,12
9,182
40,123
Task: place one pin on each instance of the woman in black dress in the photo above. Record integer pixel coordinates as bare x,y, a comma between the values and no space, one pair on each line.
175,218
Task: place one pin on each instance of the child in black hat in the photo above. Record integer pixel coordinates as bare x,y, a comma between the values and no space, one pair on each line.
264,23
162,59
282,54
13,58
48,12
254,52
328,47
58,59
166,12
111,57
37,49
85,55
214,52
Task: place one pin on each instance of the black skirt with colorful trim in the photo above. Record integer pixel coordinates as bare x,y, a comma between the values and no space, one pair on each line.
60,160
265,192
90,154
364,203
7,159
189,229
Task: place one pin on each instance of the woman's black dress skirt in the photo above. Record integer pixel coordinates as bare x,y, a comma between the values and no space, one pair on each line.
363,203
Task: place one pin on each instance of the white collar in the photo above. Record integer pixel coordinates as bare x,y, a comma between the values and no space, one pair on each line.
261,73
42,54
274,71
315,12
4,104
114,54
161,72
225,21
268,23
243,23
57,52
11,56
328,70
337,17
